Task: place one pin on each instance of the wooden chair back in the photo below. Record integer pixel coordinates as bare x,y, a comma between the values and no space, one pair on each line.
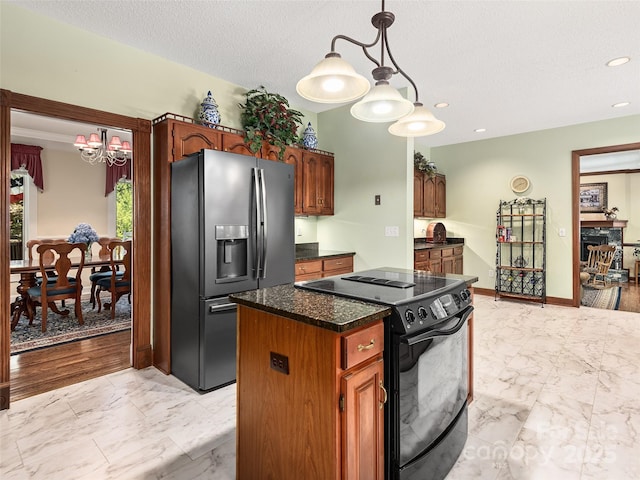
57,281
599,262
33,244
119,283
104,245
60,266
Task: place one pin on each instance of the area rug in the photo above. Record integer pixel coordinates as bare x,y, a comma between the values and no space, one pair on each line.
62,329
606,298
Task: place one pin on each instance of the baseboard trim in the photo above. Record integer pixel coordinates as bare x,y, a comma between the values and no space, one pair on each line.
561,302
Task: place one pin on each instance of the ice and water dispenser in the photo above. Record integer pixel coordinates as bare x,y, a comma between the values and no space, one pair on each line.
232,244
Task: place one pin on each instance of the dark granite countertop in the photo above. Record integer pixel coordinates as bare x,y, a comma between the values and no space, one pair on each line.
311,251
322,254
322,310
421,244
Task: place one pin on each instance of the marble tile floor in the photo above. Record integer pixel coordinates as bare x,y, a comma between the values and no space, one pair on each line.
556,397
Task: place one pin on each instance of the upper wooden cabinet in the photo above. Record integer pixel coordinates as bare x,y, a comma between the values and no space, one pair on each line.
317,183
429,195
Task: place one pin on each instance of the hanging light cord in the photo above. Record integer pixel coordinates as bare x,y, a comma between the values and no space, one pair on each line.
381,20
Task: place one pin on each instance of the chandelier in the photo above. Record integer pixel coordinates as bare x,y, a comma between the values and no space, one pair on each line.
334,80
97,150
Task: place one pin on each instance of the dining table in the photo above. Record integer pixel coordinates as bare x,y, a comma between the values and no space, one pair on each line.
27,269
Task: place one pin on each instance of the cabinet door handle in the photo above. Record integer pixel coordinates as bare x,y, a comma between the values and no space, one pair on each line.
367,347
384,391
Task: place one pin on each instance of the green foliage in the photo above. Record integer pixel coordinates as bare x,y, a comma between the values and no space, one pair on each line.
424,165
124,209
267,116
16,211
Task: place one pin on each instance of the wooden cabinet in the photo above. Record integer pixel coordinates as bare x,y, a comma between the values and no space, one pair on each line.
429,195
439,259
317,412
318,268
293,156
174,137
308,270
362,422
317,183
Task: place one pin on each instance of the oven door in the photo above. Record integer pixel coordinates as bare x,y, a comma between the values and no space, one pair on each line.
432,386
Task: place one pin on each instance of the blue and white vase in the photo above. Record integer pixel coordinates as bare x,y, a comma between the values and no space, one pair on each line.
209,115
309,139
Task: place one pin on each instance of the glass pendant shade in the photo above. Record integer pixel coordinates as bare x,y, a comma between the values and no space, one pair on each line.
420,123
382,104
333,80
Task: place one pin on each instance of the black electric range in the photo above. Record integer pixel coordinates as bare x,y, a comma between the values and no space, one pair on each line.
419,299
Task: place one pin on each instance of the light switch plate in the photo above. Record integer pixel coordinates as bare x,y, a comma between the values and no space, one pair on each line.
392,231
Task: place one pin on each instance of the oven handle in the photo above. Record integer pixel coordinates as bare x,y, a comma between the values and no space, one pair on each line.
412,340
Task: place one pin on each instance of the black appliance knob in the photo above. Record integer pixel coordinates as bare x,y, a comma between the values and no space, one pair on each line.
465,294
409,316
422,313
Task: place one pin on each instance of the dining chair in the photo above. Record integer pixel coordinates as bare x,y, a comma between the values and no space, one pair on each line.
65,286
119,282
98,273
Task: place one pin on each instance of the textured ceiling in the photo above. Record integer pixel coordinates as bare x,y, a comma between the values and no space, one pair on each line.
506,66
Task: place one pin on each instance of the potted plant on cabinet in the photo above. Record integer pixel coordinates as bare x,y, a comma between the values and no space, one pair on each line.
267,117
423,165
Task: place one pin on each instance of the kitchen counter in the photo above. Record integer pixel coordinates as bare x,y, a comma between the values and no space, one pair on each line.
321,310
421,244
311,251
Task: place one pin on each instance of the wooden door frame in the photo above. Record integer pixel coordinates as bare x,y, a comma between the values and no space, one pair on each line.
575,195
141,352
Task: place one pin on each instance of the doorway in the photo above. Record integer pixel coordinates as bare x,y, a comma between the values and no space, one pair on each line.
141,353
587,162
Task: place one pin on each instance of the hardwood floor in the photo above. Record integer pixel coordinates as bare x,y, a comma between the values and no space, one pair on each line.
630,297
43,370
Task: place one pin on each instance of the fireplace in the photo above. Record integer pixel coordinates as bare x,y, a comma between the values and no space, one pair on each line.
594,240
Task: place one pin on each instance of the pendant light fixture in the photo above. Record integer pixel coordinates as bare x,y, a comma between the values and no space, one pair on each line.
333,80
97,150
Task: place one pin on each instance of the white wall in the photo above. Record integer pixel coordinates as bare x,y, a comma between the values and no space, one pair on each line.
478,175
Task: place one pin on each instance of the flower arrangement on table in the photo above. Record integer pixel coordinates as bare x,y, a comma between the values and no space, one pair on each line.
83,233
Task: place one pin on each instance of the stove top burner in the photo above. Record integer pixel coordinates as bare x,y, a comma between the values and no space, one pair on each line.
380,281
388,286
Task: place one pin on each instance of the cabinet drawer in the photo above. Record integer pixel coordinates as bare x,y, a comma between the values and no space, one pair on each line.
420,255
306,268
447,252
362,345
342,263
435,253
458,250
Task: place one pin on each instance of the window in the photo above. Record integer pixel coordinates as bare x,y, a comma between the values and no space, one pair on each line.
22,212
124,209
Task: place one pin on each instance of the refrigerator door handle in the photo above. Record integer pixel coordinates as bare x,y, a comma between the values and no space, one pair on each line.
257,262
263,187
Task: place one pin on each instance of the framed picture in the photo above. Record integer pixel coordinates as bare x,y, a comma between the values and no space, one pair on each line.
593,197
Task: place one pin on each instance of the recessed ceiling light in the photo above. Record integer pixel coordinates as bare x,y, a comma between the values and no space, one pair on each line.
618,61
480,130
441,105
621,104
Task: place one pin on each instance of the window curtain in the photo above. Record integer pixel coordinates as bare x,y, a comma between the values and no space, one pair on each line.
115,173
28,156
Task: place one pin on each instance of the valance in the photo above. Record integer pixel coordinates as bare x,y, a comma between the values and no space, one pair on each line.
28,156
114,174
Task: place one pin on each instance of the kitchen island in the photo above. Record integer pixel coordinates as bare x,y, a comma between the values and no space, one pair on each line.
311,391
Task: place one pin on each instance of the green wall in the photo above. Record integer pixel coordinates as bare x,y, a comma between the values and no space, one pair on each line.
478,175
369,161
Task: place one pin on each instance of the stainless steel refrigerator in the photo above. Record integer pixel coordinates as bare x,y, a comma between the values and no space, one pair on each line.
232,230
